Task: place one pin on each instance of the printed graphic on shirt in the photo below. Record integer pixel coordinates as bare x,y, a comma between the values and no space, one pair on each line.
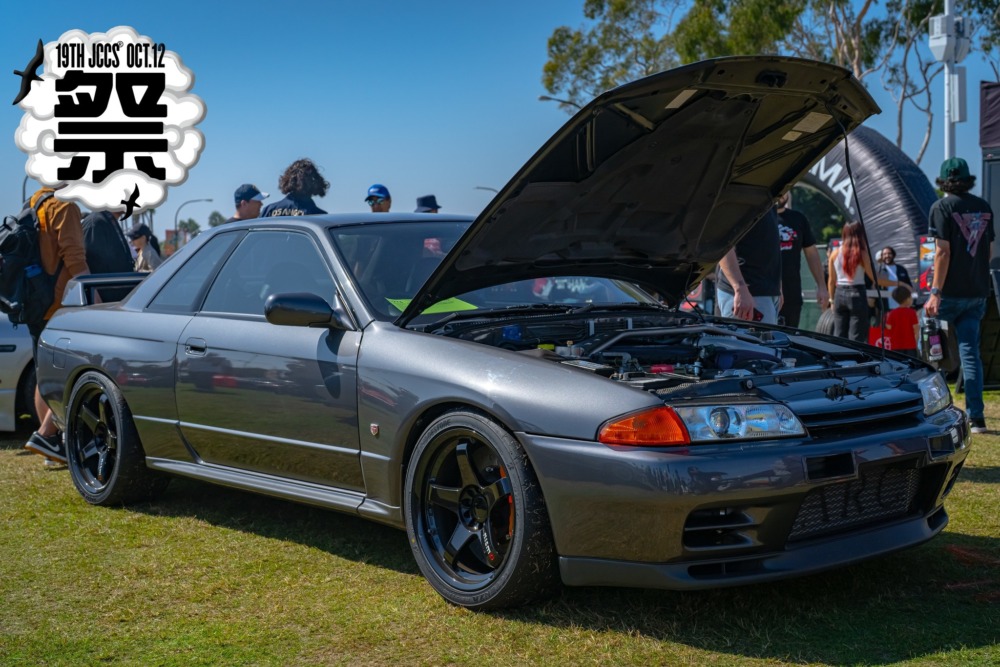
111,115
973,227
787,237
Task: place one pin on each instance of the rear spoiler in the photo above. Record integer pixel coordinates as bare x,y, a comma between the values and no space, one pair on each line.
80,290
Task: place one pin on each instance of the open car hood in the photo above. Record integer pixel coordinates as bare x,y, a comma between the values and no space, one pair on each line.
654,181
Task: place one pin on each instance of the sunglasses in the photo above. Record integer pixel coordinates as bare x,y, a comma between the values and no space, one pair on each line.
371,201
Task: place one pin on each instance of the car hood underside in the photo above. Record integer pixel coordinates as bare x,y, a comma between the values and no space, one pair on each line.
654,181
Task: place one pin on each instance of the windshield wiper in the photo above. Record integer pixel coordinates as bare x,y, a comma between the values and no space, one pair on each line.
489,313
658,308
625,306
547,308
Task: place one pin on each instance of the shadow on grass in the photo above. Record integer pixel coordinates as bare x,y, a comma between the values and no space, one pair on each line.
980,475
337,533
923,602
16,440
928,601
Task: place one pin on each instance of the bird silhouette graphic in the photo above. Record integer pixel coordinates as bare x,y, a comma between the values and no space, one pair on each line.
131,202
30,73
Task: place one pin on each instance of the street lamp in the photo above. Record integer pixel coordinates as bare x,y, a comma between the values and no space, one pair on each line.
178,212
483,187
177,244
546,98
949,43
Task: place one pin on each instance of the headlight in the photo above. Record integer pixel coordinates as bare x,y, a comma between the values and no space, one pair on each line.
935,393
746,421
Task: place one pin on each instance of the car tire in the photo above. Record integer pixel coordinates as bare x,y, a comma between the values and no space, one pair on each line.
25,402
825,323
475,515
104,455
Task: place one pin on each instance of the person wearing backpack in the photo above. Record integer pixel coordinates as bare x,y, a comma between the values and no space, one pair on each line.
63,255
107,250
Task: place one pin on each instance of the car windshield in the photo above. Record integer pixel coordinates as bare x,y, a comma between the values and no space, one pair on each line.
390,262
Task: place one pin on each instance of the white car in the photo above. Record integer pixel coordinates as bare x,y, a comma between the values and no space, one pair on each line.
17,375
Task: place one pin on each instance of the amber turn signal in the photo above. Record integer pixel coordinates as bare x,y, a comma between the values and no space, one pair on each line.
657,427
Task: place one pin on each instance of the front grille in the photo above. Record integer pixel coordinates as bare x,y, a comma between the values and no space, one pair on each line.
861,416
877,495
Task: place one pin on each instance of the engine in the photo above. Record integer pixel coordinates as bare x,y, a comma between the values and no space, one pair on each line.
659,353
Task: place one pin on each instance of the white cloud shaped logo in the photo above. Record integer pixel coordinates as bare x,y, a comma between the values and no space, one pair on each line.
112,114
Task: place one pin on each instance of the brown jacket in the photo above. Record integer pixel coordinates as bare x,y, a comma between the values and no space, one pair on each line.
60,238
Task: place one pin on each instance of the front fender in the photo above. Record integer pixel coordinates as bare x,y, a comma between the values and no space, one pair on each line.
404,374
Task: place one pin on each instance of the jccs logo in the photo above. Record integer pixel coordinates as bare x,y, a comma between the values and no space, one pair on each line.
112,116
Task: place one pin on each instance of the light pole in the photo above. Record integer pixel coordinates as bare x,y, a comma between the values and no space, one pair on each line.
483,187
949,42
178,211
546,98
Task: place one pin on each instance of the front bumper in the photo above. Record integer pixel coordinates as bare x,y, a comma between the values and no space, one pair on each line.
711,516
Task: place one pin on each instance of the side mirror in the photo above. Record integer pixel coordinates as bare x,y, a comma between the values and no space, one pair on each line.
302,309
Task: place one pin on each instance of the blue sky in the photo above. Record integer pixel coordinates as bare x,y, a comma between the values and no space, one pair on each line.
424,97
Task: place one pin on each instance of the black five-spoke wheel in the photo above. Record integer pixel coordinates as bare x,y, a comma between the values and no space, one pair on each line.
475,515
96,431
104,455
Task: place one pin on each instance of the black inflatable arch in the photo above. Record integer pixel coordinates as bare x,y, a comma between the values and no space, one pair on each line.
895,196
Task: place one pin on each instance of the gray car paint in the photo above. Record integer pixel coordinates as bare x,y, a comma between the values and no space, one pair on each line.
615,507
406,376
16,358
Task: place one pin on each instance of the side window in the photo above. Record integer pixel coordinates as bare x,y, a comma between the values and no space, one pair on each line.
186,287
265,263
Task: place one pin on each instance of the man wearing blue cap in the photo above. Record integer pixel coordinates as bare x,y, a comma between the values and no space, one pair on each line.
378,198
249,199
962,225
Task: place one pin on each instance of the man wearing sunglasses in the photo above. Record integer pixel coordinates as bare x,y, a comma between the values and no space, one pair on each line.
378,198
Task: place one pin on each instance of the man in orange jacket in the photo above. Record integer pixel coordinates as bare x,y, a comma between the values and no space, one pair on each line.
60,241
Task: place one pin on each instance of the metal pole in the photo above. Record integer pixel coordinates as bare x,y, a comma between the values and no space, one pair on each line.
178,212
949,69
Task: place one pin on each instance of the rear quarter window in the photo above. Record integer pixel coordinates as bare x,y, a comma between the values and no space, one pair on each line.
184,291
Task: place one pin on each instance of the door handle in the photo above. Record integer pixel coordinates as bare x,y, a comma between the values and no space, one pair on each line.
196,347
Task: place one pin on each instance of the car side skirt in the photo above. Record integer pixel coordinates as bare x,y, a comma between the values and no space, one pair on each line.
301,492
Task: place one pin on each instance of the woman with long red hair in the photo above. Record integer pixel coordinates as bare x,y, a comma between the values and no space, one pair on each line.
849,265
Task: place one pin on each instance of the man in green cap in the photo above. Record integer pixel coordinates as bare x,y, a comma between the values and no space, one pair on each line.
962,225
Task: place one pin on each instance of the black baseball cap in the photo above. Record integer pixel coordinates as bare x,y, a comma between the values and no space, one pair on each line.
246,192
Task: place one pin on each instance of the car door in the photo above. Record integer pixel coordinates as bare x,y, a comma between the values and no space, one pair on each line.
265,398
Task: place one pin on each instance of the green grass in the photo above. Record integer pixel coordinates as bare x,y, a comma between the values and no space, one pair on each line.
212,576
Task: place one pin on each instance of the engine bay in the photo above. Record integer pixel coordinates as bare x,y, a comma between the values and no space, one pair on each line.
662,352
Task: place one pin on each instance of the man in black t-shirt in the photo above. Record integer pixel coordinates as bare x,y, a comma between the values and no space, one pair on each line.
749,282
962,225
796,239
107,249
